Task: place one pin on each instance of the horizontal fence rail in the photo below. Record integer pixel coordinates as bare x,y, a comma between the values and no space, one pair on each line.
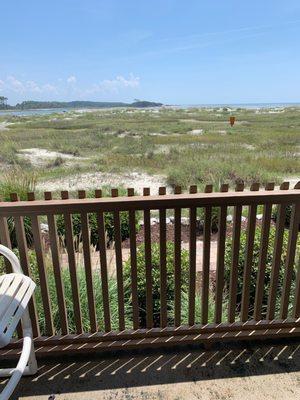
40,207
135,271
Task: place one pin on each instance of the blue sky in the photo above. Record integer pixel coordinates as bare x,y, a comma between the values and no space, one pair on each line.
183,52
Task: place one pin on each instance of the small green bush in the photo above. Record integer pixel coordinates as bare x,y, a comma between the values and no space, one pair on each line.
57,162
16,180
254,269
113,297
288,214
108,222
21,182
141,273
27,229
109,227
8,153
214,218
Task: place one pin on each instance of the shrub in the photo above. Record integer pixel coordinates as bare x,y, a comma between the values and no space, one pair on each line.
27,229
93,226
8,153
214,218
112,288
18,181
288,214
155,269
254,269
109,227
113,299
57,162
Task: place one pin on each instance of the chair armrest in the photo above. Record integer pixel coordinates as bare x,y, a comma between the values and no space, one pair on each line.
12,258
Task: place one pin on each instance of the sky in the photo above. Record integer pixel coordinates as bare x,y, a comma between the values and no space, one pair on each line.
173,51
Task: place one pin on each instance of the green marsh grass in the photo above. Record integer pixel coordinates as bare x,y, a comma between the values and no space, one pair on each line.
261,146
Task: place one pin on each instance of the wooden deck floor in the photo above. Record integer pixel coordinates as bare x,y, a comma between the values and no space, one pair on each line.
268,371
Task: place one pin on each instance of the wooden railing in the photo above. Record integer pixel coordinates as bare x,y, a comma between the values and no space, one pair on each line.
282,313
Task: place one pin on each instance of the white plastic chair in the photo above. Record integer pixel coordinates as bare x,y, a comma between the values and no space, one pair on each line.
16,290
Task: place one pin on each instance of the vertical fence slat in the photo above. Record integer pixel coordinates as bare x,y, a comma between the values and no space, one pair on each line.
133,264
220,259
119,264
23,254
276,261
264,240
251,225
177,261
103,266
192,256
36,232
72,266
88,265
290,258
37,240
206,259
60,291
296,306
163,263
236,234
277,256
148,264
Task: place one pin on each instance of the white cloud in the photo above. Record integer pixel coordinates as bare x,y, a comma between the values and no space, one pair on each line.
49,88
72,79
33,87
115,85
15,85
68,87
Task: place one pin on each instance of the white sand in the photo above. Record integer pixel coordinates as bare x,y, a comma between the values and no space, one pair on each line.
97,180
39,157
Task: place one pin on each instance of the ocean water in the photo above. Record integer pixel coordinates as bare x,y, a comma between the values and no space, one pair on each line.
241,105
43,111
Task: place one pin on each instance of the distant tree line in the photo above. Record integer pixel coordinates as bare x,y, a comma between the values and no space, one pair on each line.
33,105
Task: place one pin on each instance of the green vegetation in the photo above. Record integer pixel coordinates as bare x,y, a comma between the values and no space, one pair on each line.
18,181
255,268
93,226
156,287
141,276
192,146
21,182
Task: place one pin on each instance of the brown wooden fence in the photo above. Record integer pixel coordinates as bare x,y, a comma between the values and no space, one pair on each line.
228,322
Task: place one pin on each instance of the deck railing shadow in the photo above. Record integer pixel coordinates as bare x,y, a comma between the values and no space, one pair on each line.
189,364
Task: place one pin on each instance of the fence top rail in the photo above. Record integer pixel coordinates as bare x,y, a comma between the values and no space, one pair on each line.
124,203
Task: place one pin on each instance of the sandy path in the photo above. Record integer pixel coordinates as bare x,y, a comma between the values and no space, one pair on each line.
97,180
40,157
4,125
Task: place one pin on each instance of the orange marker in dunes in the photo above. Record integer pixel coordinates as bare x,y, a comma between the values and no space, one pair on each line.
232,120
